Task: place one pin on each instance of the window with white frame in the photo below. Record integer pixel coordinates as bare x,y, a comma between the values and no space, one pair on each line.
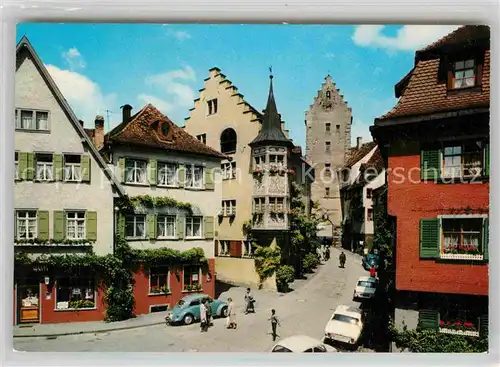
44,167
166,226
72,167
76,292
192,276
26,224
135,171
212,106
75,225
32,120
276,204
194,176
158,279
202,138
228,170
247,249
167,174
462,236
463,159
259,205
135,226
278,159
224,248
16,165
229,207
259,161
193,227
464,74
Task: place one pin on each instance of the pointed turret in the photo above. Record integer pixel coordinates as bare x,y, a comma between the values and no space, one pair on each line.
271,132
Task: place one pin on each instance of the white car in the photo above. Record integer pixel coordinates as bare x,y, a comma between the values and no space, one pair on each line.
345,325
301,344
365,288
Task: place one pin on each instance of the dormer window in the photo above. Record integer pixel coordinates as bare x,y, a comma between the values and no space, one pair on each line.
464,74
164,128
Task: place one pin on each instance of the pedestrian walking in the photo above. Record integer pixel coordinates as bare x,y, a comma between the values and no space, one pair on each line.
342,259
327,254
274,323
231,315
209,312
203,317
373,271
249,302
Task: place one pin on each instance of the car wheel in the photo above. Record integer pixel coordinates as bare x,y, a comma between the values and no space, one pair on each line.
188,319
223,312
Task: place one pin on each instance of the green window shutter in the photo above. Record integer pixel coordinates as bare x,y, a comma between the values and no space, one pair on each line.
151,226
180,227
209,179
209,227
428,319
43,225
30,166
181,175
430,164
120,225
23,165
85,168
57,161
121,168
59,225
487,159
91,226
486,237
152,170
429,238
483,326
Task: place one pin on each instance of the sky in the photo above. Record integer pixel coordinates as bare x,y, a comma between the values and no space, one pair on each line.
100,67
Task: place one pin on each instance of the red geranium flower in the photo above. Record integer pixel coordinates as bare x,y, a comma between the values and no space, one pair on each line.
468,324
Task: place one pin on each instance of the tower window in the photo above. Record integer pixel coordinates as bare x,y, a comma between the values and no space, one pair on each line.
228,141
327,191
212,106
328,127
338,127
328,94
327,147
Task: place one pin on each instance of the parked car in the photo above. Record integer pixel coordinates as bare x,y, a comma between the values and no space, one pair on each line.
370,260
187,309
366,288
345,325
301,344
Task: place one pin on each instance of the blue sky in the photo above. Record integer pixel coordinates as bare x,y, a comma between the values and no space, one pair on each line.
100,67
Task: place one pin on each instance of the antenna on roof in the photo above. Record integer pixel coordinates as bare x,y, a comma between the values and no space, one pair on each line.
107,118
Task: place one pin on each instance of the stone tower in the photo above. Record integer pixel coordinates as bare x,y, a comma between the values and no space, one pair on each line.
328,139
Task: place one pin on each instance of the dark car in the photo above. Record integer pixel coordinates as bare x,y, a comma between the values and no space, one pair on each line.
370,260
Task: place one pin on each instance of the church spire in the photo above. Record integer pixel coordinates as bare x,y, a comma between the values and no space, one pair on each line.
271,122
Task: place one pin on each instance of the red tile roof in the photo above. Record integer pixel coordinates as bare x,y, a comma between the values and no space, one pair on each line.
140,131
354,155
427,93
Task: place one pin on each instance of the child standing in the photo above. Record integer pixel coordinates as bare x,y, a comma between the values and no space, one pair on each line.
274,322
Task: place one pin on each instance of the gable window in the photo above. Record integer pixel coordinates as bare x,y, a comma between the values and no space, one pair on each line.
228,141
167,174
135,226
224,248
327,147
327,191
194,176
166,226
369,215
159,279
192,277
328,127
463,160
135,171
44,167
212,106
228,170
202,138
464,74
16,165
32,120
75,225
26,224
193,227
72,167
229,207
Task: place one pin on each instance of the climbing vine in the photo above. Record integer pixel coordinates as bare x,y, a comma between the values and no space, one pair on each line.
267,260
130,203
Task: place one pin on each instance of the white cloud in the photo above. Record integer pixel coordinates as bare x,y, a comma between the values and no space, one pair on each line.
159,103
408,37
359,128
73,58
84,96
175,83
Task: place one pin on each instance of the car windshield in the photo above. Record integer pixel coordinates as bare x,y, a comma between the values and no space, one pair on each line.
345,318
181,303
281,349
363,283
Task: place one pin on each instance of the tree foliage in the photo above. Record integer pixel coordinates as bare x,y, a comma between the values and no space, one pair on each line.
267,260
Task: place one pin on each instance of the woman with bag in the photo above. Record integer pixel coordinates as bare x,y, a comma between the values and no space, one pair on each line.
231,315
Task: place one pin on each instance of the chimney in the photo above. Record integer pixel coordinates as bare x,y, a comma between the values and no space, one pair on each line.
126,112
99,131
358,142
81,122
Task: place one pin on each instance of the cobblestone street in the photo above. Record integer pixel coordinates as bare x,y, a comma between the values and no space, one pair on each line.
305,310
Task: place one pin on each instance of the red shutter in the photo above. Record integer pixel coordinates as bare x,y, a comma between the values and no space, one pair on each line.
235,248
450,80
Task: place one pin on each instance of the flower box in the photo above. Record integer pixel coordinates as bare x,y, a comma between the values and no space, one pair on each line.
458,332
462,256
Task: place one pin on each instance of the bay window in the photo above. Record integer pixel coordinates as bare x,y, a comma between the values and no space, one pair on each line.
135,226
194,176
193,227
166,226
135,171
259,205
76,292
167,174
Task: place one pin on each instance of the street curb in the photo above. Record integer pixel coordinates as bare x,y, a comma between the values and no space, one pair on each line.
95,331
